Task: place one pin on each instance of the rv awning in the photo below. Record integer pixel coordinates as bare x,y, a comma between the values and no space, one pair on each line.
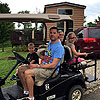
33,17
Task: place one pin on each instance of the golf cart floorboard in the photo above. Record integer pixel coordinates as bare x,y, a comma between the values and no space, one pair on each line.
12,91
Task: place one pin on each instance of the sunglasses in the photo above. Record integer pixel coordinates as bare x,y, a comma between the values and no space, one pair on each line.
72,38
61,34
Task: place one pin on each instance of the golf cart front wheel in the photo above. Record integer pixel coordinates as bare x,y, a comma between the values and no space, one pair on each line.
75,93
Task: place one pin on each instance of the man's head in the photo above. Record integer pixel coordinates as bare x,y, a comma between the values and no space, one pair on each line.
53,34
31,47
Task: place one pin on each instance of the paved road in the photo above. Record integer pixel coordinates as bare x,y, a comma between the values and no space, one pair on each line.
92,96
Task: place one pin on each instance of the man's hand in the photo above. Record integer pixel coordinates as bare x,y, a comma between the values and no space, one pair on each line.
33,66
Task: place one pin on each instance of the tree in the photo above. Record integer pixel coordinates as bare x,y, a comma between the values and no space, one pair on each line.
5,27
85,19
91,24
97,19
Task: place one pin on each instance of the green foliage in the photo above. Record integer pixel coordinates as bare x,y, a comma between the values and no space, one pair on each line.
90,24
6,44
5,26
4,8
24,12
20,48
41,27
85,19
4,31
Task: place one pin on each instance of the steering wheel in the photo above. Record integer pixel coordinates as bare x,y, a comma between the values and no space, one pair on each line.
20,58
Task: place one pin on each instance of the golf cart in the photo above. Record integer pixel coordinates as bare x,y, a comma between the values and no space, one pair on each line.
67,85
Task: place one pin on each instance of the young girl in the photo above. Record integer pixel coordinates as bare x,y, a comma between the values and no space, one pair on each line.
71,38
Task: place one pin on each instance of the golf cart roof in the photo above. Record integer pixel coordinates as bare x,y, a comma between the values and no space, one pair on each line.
34,17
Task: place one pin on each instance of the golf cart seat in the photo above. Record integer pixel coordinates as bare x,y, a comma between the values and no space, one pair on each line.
76,65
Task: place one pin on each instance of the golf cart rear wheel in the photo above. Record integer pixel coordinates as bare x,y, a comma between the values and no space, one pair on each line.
75,93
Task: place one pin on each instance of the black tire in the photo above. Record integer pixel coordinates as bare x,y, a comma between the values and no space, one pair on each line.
75,93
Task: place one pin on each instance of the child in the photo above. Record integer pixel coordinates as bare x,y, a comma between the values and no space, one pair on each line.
71,38
32,57
41,54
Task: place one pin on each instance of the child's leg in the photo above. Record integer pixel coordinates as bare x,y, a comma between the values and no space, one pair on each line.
84,73
15,76
16,71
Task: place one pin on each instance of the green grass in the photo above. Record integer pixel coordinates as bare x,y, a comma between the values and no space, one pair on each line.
6,65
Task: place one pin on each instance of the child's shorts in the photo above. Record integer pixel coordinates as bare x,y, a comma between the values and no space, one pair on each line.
71,62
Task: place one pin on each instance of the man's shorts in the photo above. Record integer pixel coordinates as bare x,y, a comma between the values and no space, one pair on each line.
41,74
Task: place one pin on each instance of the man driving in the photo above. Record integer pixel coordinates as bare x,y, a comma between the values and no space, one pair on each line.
53,56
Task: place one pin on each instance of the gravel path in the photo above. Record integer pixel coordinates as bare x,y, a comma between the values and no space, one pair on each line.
91,87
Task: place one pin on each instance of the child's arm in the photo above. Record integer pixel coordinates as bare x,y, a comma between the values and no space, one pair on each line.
77,53
32,62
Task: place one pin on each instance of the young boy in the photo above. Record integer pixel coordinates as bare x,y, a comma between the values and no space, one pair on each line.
32,57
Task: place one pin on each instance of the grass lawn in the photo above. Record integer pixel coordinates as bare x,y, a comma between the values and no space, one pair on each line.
6,65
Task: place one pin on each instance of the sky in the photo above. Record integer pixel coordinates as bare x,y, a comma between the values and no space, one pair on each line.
92,10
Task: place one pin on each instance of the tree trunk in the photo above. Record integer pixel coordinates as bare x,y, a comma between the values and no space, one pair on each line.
2,47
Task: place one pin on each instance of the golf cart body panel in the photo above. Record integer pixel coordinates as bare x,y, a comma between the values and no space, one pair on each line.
59,87
56,89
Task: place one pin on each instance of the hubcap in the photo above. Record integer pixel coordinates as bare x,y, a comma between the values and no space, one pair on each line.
76,95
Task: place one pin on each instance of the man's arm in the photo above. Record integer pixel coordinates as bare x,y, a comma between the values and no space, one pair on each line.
51,65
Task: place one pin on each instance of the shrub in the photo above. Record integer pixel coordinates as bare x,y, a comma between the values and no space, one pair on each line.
20,48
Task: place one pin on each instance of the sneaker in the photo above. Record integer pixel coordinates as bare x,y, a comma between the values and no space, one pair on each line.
14,77
28,99
26,92
17,77
23,97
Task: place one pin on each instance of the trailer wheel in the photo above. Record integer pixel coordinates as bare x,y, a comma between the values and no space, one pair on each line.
75,93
